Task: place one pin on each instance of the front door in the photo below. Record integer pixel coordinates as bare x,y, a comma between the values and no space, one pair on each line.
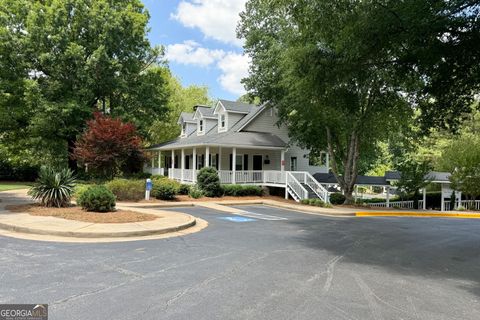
257,162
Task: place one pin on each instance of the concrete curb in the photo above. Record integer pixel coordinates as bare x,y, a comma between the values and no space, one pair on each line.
419,215
91,235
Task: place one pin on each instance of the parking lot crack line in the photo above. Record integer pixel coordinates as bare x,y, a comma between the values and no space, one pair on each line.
330,272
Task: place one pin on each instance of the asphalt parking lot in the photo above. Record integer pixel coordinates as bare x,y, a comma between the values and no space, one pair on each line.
264,264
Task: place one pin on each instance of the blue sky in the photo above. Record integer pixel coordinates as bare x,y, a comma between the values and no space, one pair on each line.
199,36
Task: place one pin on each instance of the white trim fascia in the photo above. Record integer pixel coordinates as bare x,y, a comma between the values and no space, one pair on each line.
219,103
240,112
217,145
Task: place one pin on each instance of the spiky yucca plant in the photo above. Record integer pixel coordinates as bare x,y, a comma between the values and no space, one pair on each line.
53,188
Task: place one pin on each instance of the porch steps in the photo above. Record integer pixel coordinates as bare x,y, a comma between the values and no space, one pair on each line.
311,193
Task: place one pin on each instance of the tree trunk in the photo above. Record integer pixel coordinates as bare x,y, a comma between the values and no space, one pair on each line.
72,163
350,164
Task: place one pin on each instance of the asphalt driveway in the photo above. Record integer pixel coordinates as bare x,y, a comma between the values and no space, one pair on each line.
266,264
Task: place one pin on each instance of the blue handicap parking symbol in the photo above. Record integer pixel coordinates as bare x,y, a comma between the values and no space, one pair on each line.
237,219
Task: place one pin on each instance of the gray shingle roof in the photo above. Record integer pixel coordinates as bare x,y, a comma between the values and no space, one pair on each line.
247,139
329,178
205,111
232,137
236,106
186,116
436,176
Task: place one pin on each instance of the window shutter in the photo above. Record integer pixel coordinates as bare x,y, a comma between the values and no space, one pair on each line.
216,161
176,162
245,162
231,162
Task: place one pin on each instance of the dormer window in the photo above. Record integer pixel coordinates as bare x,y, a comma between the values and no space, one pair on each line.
184,128
223,123
200,126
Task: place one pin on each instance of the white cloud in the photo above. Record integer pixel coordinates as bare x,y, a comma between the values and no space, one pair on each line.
216,19
234,68
191,53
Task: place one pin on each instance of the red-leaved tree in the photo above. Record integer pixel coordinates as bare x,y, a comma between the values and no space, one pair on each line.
108,146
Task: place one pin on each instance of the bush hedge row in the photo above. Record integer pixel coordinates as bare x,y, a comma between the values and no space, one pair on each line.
238,190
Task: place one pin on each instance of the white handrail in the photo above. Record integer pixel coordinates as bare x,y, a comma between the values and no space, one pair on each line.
295,186
319,190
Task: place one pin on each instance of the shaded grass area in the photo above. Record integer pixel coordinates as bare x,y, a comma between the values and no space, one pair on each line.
5,186
76,213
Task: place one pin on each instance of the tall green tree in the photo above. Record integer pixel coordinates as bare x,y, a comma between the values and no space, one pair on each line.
311,62
461,157
414,176
61,60
345,73
181,99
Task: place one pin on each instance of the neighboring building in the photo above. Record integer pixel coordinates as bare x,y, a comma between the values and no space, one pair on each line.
245,144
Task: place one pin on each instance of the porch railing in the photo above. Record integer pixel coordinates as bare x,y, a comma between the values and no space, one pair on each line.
471,204
397,204
241,177
295,188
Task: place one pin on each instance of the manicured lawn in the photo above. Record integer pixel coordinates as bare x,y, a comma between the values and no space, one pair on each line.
4,186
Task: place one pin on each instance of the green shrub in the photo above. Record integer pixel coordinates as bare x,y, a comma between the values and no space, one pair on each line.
209,182
165,189
127,190
461,208
53,188
195,192
313,202
80,189
316,202
97,198
184,189
337,198
238,190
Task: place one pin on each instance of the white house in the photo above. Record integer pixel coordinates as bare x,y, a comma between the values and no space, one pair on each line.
245,144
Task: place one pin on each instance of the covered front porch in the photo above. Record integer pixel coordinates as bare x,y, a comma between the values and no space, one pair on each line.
260,166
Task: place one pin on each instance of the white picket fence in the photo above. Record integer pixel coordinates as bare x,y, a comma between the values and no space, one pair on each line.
397,204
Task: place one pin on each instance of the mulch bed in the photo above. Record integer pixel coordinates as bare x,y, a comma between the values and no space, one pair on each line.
76,213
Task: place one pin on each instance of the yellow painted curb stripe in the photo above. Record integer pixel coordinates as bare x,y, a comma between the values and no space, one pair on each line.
416,214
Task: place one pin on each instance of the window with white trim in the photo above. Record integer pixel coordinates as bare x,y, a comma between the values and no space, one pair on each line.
184,128
239,162
223,122
200,125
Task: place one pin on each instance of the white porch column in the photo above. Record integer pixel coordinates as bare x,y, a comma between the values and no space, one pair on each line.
356,193
173,160
194,164
442,206
282,160
219,158
153,162
207,156
424,206
182,162
234,163
388,197
159,158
